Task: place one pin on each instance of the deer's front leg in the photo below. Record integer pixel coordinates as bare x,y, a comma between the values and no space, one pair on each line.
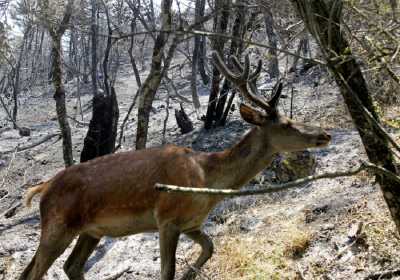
169,236
207,249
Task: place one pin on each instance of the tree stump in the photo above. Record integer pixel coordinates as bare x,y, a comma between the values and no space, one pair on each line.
183,120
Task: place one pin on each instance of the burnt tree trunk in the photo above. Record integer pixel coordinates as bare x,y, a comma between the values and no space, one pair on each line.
235,49
323,20
100,139
220,26
183,120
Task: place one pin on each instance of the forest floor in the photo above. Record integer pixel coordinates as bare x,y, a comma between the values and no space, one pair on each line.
302,233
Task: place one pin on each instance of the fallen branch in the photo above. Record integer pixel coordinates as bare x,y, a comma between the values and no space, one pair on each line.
7,224
272,188
30,146
11,211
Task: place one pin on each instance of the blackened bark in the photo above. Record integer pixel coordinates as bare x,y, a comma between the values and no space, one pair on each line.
323,20
220,25
202,60
237,32
100,139
183,120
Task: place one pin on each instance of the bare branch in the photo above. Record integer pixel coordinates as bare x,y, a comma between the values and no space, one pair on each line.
29,146
269,188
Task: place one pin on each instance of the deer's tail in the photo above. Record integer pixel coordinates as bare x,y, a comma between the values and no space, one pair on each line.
34,191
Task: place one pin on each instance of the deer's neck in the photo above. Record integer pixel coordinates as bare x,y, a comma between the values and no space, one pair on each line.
236,166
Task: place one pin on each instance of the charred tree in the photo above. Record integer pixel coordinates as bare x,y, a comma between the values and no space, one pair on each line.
236,48
183,120
323,20
102,133
100,138
221,19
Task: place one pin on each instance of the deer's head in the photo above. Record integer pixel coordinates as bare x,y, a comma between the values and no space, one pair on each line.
278,132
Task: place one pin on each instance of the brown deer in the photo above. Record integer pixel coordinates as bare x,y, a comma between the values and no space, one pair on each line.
114,195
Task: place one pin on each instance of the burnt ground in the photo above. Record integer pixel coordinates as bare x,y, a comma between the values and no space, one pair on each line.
297,234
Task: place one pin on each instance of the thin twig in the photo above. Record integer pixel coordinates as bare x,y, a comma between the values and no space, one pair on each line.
272,188
213,34
122,127
26,147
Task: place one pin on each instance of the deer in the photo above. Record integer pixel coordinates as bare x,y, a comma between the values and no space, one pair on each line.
115,195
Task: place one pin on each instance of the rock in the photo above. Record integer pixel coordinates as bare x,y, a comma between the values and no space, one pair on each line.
292,166
312,214
24,131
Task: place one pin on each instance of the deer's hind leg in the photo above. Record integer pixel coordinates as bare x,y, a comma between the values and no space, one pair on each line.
207,249
75,263
53,242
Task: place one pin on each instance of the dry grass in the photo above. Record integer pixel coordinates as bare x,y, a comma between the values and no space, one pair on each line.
269,254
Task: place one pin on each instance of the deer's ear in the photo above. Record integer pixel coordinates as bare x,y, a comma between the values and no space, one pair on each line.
251,115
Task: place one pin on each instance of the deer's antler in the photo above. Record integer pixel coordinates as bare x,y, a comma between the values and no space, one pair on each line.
246,81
